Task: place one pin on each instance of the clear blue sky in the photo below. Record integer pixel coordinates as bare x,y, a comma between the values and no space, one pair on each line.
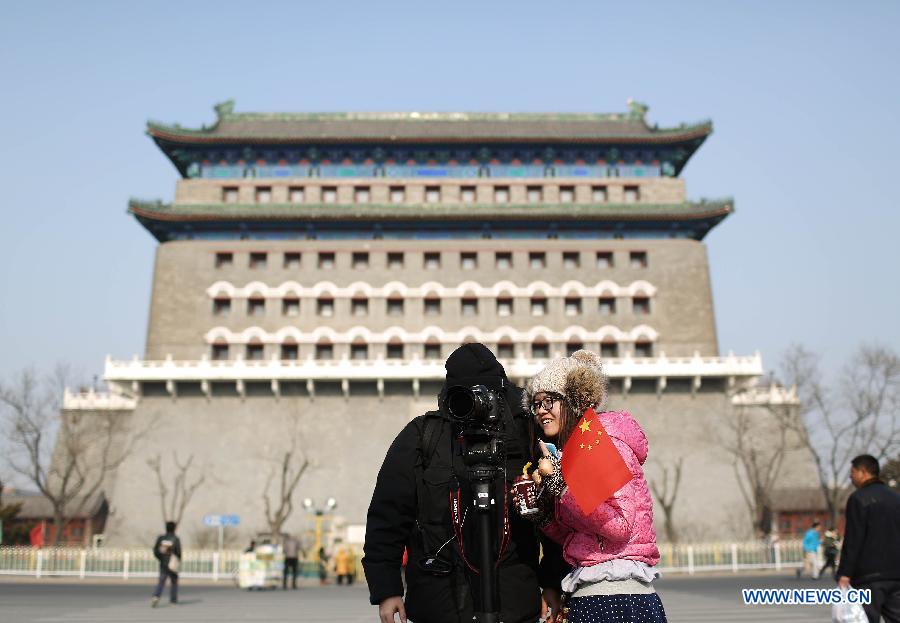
804,96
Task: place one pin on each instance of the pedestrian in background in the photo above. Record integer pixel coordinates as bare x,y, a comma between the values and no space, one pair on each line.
291,548
772,542
811,541
870,556
830,549
323,566
167,551
343,565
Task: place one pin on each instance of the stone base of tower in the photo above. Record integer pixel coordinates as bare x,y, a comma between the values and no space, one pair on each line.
238,443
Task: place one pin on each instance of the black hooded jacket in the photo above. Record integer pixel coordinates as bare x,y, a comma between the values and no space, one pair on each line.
410,508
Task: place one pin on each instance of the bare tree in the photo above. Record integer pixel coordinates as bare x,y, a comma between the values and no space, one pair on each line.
666,493
858,415
71,471
293,463
284,476
182,489
758,435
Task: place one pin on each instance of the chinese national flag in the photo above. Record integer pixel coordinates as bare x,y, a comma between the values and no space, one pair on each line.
36,535
591,466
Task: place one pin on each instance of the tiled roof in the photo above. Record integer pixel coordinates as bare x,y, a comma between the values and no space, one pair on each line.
800,499
231,127
39,507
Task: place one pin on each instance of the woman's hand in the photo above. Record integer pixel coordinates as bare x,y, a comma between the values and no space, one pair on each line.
550,471
553,599
545,463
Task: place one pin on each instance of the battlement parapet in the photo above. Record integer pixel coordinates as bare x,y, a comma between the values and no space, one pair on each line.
92,400
770,395
128,376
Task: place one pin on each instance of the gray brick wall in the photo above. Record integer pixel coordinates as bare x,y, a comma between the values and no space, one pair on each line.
237,442
651,190
182,310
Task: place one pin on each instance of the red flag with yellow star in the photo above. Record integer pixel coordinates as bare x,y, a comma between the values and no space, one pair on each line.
591,465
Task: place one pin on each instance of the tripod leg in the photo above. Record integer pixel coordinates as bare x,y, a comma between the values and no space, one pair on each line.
489,611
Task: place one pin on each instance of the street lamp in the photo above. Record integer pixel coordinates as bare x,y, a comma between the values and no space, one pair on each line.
310,507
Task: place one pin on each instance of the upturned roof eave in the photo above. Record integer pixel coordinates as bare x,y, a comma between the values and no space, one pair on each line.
189,137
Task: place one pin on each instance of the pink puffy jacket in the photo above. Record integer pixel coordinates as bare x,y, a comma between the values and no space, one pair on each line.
620,527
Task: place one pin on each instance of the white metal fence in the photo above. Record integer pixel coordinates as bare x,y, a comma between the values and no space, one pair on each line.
109,562
215,565
688,558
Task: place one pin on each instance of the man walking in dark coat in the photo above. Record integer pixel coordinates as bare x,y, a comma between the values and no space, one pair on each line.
411,509
870,557
291,547
167,551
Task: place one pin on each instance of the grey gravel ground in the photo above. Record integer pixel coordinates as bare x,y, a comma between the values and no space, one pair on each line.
22,600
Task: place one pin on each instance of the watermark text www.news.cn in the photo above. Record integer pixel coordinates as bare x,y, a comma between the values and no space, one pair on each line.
804,596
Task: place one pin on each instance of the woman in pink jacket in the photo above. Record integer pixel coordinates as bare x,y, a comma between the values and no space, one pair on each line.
613,549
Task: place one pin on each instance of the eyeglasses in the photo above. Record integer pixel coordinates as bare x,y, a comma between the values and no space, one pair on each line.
546,403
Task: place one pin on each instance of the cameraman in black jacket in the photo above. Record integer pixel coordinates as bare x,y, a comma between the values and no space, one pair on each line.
870,556
410,509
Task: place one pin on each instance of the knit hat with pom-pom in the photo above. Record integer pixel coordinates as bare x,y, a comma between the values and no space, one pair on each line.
579,379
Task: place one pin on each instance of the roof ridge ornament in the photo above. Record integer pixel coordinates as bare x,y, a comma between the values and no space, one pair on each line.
224,109
637,110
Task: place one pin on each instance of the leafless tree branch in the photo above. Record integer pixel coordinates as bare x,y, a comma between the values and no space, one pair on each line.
666,494
71,471
182,489
758,438
858,415
290,465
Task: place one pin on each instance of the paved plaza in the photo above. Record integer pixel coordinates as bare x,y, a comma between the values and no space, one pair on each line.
24,600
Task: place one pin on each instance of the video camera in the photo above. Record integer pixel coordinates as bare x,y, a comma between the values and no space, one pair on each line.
477,410
473,406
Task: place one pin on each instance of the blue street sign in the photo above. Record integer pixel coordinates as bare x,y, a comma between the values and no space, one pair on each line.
221,520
